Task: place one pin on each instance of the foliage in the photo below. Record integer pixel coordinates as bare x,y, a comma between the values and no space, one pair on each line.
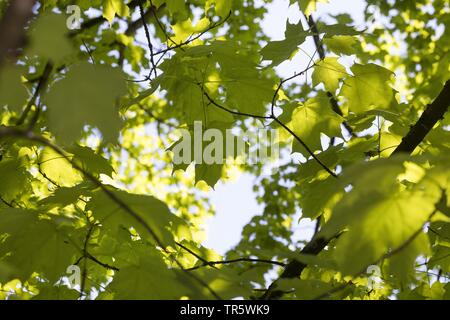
89,118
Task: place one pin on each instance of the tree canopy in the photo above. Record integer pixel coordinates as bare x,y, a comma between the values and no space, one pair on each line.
95,95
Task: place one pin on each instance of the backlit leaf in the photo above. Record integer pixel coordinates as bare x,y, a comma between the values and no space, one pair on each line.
86,96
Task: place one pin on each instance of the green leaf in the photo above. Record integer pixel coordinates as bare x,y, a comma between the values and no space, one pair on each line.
341,44
51,292
152,213
403,264
90,161
15,182
317,195
279,51
57,169
175,6
209,156
331,30
440,258
305,289
147,277
222,7
143,95
111,8
368,89
65,196
210,173
49,37
435,291
224,282
377,214
308,6
36,245
237,72
86,96
181,75
313,118
311,168
12,91
328,71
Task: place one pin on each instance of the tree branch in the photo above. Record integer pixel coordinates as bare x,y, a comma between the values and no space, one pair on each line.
432,114
149,41
236,113
104,265
84,272
294,268
13,26
42,82
213,263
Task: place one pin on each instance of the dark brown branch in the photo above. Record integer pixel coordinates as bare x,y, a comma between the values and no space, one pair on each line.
89,51
294,268
137,24
13,26
132,28
149,41
42,81
432,114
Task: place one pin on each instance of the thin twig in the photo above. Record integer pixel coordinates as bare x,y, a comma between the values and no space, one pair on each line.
84,273
42,81
149,42
210,263
229,110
